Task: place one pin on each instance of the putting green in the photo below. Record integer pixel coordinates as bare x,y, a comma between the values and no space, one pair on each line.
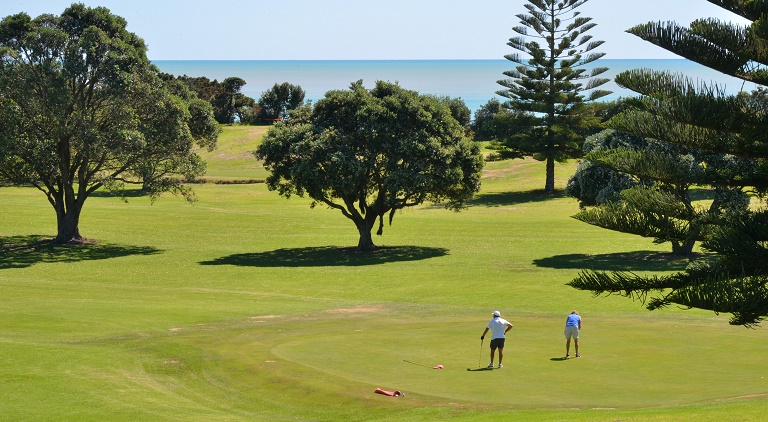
625,363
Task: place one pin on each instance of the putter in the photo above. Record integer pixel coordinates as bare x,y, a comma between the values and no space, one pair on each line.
479,357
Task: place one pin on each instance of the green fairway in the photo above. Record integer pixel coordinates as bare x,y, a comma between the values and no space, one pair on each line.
247,306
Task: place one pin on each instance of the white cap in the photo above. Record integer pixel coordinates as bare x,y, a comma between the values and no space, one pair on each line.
496,313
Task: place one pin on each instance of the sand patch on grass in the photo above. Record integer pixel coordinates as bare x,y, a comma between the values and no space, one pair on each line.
367,309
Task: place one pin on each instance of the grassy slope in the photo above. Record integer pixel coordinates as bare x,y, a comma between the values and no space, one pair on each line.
245,306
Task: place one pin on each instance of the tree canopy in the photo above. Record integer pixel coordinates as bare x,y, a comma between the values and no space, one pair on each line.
674,109
659,199
229,104
546,87
276,102
369,153
81,108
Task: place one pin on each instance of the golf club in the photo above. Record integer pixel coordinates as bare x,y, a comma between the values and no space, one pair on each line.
479,357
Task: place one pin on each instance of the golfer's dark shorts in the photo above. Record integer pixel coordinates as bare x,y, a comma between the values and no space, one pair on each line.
497,343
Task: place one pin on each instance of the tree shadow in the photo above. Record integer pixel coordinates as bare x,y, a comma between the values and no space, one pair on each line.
123,194
620,261
328,256
25,251
499,199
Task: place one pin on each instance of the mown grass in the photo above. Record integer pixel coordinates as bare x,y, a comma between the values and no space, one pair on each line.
247,306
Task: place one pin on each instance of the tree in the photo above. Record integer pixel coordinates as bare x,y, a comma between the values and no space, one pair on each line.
677,110
459,110
160,174
371,153
229,104
228,99
276,102
548,84
659,202
81,108
593,184
482,124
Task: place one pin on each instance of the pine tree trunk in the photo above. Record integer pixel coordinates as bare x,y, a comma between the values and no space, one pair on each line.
549,186
683,249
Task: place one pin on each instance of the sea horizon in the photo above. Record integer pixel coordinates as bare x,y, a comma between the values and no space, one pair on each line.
472,80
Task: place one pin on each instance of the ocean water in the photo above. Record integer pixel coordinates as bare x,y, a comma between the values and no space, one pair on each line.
474,81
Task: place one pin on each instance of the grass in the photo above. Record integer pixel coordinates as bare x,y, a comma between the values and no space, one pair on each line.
247,306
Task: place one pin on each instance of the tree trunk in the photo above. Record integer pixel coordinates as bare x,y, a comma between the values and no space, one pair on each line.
549,186
366,241
364,227
683,249
68,224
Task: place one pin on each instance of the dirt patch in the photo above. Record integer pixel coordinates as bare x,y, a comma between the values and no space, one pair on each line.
376,309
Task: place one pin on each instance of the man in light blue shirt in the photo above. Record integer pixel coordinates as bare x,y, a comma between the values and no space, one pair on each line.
572,328
499,328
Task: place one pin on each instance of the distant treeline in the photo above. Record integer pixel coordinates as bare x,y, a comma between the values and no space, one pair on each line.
230,105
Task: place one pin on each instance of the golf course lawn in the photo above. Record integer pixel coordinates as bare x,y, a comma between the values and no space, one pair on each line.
248,306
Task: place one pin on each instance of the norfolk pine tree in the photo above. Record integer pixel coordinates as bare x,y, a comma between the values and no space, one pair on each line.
547,83
661,203
678,111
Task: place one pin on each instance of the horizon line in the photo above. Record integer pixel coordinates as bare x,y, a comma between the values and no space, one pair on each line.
376,60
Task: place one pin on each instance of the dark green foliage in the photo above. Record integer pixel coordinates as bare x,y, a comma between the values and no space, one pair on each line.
661,203
277,102
371,153
228,103
729,131
596,185
547,84
81,108
482,124
459,110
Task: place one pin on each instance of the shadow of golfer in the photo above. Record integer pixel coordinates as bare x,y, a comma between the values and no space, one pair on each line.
479,369
558,359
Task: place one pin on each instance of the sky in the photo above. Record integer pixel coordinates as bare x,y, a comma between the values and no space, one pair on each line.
364,29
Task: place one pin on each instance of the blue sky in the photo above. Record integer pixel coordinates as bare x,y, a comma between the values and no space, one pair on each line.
363,29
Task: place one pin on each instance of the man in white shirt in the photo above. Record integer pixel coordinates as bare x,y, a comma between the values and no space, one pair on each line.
499,327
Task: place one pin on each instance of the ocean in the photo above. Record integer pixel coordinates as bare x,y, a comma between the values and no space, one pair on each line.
474,81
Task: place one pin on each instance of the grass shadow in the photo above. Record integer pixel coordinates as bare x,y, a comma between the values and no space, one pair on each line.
25,251
621,261
500,199
122,194
329,256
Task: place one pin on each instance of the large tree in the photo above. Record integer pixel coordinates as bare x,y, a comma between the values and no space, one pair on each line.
369,153
674,109
548,83
662,197
81,108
